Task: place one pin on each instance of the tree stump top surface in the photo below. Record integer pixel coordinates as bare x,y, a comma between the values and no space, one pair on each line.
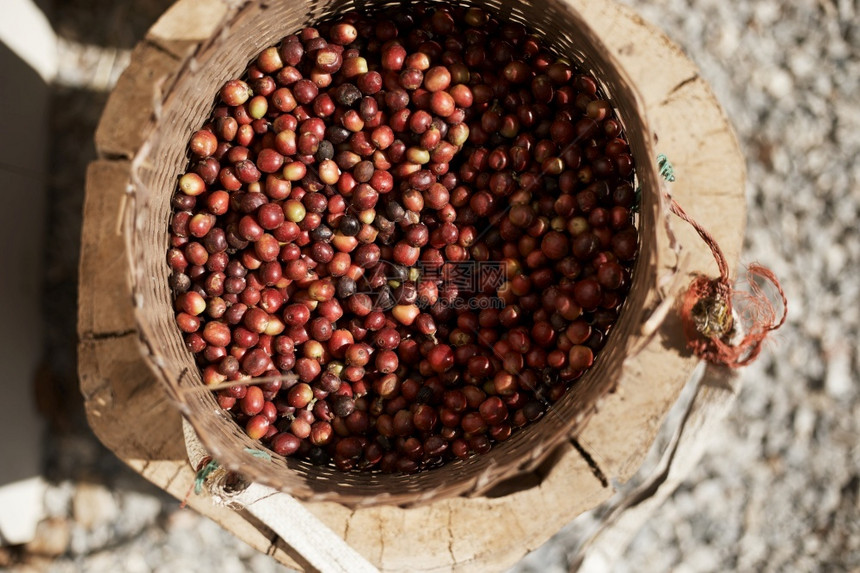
131,415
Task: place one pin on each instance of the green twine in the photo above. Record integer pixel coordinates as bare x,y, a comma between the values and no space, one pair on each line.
206,471
202,474
667,171
259,454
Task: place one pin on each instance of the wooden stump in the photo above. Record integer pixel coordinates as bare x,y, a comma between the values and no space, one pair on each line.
131,415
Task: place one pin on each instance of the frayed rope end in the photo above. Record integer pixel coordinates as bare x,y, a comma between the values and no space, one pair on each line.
726,325
722,324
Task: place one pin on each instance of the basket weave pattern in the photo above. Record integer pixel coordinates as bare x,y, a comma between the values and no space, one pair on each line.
183,104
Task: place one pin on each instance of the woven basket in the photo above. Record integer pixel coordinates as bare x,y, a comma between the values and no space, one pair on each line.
183,106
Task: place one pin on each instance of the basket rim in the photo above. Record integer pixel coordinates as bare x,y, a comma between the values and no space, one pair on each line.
480,480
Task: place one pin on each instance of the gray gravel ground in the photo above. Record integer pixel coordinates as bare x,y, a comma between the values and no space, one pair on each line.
779,492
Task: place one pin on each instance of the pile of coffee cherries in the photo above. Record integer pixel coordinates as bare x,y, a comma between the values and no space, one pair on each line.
416,228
